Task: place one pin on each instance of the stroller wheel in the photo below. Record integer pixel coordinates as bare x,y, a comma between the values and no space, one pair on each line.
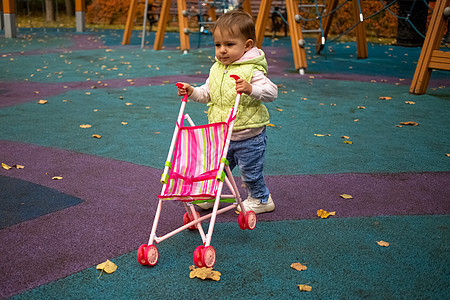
198,253
241,221
250,220
151,255
209,256
140,254
186,220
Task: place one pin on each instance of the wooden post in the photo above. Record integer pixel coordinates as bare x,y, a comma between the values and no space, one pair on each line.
129,23
247,6
9,14
295,31
183,26
80,17
261,21
361,40
162,23
430,57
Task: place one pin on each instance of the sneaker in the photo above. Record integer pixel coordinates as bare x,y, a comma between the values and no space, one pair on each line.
256,206
205,205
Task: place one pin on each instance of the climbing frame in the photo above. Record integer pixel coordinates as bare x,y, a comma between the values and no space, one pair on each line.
430,57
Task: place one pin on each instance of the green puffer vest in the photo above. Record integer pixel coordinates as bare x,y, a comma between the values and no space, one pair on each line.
251,113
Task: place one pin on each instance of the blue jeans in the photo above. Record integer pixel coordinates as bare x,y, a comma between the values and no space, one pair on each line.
248,155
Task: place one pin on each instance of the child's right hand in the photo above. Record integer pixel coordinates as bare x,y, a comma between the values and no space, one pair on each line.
186,89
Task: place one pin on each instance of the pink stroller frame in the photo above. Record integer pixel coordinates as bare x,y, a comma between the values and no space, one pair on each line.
196,174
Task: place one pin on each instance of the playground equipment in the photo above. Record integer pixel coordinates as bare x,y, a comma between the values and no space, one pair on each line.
430,57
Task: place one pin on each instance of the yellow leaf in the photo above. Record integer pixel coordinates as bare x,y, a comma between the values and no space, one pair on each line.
361,107
410,102
279,109
317,134
383,244
57,177
385,98
348,142
18,166
346,196
129,103
85,126
107,266
6,167
325,214
97,136
42,102
304,288
124,123
204,273
410,123
298,266
271,125
345,137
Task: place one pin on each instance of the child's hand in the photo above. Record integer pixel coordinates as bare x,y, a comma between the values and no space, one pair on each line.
186,89
243,86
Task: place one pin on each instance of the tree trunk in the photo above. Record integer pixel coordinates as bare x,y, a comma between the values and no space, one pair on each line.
49,11
69,8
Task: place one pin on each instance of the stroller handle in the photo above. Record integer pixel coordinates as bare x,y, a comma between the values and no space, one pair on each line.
235,77
180,85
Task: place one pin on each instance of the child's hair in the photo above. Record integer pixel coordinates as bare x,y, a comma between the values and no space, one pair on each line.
237,22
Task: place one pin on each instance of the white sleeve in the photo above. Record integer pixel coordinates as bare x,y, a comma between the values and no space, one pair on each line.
263,89
201,93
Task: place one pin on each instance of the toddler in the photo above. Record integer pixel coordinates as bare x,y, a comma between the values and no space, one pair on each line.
234,39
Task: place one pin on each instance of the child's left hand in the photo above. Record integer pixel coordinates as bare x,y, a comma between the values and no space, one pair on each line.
243,86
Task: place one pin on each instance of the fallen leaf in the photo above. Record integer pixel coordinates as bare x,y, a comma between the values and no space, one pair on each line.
18,166
447,154
410,123
325,214
107,266
361,107
385,98
42,102
346,196
298,266
204,273
383,244
6,167
348,142
124,123
270,125
410,102
85,126
57,177
97,136
345,137
279,109
317,134
304,288
129,103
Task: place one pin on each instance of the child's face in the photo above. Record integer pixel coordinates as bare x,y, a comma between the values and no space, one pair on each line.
230,48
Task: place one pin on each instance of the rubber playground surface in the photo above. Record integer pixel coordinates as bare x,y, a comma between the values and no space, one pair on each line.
335,130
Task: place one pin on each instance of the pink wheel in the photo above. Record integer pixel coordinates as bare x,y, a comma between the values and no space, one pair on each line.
209,256
187,219
250,220
140,254
241,221
198,253
151,255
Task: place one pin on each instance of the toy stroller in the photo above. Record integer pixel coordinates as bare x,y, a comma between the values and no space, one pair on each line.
196,175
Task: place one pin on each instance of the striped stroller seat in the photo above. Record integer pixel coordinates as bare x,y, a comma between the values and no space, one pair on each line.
196,163
195,171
